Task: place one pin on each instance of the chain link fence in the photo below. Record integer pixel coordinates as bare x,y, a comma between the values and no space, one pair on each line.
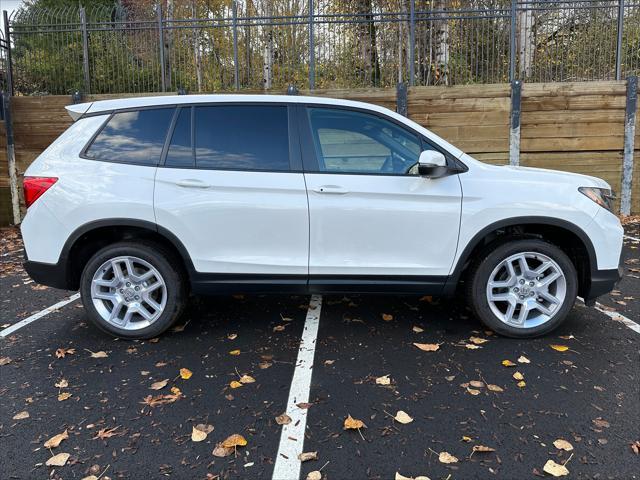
268,44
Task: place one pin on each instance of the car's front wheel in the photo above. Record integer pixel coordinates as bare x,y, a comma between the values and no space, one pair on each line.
131,290
523,288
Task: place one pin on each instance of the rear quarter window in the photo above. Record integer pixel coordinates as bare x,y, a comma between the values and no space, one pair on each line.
132,137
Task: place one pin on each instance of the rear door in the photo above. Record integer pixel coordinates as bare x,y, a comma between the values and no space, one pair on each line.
230,187
373,219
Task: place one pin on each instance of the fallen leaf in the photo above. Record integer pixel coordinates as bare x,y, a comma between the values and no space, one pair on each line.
482,448
64,396
234,352
152,401
523,359
471,346
220,451
247,379
198,435
62,352
234,440
417,329
264,365
315,475
600,423
521,384
518,376
279,328
185,373
427,347
232,336
473,391
306,456
402,477
635,447
105,433
476,383
62,383
478,340
555,469
495,388
159,385
384,380
58,460
304,405
508,363
561,444
100,354
426,298
466,439
351,423
446,457
176,391
90,477
283,419
235,384
559,348
403,417
4,361
55,441
21,415
387,317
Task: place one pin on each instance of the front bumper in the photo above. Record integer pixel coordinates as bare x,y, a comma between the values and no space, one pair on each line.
602,281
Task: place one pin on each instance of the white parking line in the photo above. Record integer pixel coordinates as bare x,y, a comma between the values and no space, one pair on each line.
36,316
288,465
618,317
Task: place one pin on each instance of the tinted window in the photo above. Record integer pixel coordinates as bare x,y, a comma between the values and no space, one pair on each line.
133,137
355,142
180,153
252,137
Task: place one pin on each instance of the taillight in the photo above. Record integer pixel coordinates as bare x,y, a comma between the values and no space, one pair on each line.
34,187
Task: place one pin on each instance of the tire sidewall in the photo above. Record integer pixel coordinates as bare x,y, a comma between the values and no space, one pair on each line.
498,254
159,260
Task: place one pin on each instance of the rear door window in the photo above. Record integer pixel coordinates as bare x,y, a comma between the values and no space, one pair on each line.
242,137
133,137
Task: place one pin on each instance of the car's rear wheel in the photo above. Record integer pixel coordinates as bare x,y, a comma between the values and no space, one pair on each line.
523,288
132,290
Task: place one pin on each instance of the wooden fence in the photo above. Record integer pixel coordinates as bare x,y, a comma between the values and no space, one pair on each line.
576,127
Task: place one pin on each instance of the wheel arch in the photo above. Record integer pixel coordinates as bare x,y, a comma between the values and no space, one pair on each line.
566,235
90,237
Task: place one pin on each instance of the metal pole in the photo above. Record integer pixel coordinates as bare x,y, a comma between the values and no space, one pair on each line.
619,40
512,43
85,50
161,40
629,135
236,70
412,42
9,66
11,159
514,130
312,50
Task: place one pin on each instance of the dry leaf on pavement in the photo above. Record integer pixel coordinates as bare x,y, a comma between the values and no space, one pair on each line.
446,457
315,475
306,456
64,396
403,417
383,380
100,354
234,352
62,383
402,477
185,373
62,352
521,384
235,384
21,415
387,317
58,460
555,469
495,388
235,440
54,441
220,451
473,391
5,361
159,385
247,379
105,433
518,376
476,383
478,340
523,359
508,363
417,329
283,419
427,347
198,435
481,448
351,423
559,348
561,444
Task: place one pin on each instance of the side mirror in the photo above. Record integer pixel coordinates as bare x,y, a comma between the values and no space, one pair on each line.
432,164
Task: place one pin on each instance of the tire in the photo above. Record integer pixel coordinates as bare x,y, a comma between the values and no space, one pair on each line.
160,296
522,289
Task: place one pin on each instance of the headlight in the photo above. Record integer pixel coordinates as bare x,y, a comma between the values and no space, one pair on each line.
602,196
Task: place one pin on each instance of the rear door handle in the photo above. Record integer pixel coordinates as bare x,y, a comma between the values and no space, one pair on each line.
336,189
192,183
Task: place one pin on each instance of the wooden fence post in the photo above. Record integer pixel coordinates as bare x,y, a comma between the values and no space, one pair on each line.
401,99
11,159
514,128
629,134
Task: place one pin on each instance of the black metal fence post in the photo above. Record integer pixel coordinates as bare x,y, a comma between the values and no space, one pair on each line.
629,136
312,48
619,40
161,41
85,50
412,42
5,16
236,67
512,42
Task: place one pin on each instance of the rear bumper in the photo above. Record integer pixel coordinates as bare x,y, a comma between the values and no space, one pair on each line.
50,274
602,281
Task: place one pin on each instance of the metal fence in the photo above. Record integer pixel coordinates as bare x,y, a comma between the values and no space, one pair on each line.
268,44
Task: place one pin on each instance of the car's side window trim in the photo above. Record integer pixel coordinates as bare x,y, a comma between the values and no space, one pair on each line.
310,160
167,140
87,146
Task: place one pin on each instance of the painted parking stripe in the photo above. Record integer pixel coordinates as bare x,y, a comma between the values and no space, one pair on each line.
39,315
618,317
287,465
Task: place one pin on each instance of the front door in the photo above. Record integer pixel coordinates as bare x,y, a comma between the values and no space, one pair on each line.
373,219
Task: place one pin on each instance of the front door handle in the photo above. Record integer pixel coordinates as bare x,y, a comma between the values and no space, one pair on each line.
192,183
330,189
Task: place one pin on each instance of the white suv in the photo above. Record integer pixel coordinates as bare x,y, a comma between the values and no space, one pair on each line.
143,200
